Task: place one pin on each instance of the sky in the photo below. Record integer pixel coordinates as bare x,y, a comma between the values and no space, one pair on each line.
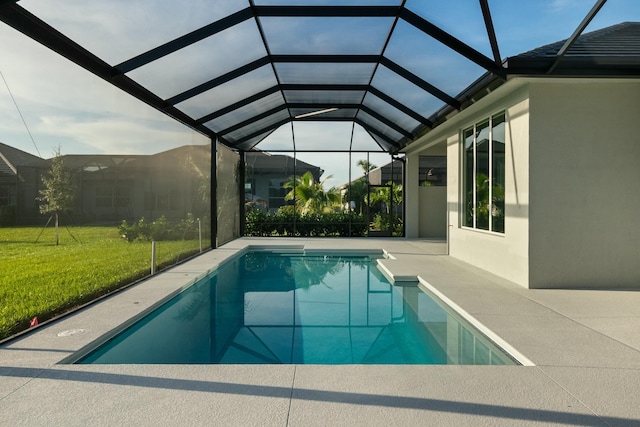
65,107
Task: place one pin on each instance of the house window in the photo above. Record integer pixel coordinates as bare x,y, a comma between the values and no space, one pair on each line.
165,199
111,195
4,196
432,171
484,174
277,193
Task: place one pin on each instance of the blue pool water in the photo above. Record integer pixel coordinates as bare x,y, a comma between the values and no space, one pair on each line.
274,308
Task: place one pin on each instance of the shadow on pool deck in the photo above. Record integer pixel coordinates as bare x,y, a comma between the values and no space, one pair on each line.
585,345
343,398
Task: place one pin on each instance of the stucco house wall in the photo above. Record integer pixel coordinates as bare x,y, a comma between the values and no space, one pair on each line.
584,174
503,254
571,202
432,221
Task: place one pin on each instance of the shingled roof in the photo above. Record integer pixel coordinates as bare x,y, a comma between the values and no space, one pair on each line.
12,158
612,51
609,52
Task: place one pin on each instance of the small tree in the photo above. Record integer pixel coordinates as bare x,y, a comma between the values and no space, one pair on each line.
57,194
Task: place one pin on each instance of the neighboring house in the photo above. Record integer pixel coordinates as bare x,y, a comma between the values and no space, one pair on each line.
432,181
542,172
266,174
432,172
20,178
110,188
382,175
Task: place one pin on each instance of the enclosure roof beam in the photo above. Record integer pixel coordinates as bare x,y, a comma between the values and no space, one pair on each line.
452,42
422,84
227,77
327,11
33,27
185,40
491,32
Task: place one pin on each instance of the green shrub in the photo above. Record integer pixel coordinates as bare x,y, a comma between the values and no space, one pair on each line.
159,230
286,222
381,223
187,228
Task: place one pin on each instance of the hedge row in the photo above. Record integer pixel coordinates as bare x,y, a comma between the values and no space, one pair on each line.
160,229
283,223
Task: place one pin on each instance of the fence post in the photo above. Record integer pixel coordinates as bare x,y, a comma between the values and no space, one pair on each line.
200,233
153,257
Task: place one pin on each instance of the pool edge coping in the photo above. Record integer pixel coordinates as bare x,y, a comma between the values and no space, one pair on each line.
396,280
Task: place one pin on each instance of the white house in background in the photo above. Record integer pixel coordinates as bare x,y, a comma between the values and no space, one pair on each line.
559,159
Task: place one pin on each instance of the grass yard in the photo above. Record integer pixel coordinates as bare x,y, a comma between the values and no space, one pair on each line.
44,280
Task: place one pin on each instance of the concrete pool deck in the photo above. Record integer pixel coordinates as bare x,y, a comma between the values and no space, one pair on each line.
585,345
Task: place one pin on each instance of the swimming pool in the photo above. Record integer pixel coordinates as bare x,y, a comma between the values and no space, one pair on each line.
276,308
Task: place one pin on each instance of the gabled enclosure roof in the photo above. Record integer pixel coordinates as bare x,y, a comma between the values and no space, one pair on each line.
245,68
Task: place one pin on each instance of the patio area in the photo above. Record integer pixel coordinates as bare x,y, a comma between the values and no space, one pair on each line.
584,344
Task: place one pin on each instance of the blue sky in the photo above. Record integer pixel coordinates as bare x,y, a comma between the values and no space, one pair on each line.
65,106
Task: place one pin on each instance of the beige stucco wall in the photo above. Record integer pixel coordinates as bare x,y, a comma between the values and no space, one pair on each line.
425,214
433,212
572,171
412,204
503,254
585,170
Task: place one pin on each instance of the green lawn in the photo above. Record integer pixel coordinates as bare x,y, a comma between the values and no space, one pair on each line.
43,280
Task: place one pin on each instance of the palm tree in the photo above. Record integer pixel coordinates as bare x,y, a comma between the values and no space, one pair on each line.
356,193
309,195
358,189
366,166
382,196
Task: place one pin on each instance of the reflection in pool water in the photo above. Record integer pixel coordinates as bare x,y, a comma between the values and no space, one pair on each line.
274,308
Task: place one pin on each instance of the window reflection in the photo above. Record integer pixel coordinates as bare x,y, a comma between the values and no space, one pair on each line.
484,174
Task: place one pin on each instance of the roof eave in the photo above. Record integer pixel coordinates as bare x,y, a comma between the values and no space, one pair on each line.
576,66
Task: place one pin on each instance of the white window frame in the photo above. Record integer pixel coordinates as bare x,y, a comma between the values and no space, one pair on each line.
462,197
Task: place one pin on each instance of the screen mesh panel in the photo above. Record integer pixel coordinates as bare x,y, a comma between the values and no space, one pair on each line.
390,112
227,93
324,73
226,65
380,127
246,112
405,92
227,195
326,35
264,123
118,30
438,65
324,96
341,113
448,15
194,68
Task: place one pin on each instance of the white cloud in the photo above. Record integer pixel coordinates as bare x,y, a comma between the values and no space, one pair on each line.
112,135
119,29
65,105
564,5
